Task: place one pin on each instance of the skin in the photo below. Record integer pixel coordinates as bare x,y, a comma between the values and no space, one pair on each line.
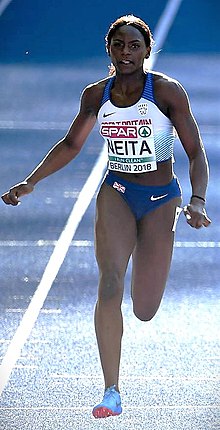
118,236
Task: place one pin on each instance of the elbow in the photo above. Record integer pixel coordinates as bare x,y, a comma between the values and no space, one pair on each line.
71,145
198,155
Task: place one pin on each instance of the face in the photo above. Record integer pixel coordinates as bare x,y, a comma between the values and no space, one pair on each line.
127,49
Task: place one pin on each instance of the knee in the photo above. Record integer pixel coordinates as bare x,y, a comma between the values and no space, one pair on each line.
110,286
144,314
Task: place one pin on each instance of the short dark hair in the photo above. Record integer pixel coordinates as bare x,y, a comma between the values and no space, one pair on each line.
135,22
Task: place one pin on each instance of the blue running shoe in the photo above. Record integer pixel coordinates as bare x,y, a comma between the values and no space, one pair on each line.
110,405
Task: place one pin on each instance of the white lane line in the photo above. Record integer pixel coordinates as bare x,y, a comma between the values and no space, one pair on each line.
140,378
61,125
43,311
163,26
33,125
89,243
3,5
61,249
41,242
202,244
128,408
51,271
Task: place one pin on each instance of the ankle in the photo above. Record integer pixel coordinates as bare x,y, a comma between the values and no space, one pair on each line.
114,386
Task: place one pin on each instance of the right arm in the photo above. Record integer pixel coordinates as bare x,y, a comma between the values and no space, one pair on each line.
62,152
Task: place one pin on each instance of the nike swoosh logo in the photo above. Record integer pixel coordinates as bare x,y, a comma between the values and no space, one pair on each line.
158,197
107,114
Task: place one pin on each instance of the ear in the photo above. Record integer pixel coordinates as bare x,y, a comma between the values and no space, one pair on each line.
148,52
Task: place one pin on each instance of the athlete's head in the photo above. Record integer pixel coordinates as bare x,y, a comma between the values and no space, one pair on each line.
133,21
117,31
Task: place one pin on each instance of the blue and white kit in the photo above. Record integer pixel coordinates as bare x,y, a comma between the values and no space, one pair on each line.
143,199
138,137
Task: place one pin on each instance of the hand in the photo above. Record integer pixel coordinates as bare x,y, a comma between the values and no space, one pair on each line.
12,196
196,215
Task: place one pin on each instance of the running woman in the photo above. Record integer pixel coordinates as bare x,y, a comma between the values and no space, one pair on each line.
138,203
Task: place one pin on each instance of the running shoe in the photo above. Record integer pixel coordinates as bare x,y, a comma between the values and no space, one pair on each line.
110,405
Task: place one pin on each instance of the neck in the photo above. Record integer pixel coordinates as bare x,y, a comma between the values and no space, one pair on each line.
127,90
131,82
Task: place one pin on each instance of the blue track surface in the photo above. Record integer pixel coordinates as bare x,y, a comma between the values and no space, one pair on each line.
170,366
169,373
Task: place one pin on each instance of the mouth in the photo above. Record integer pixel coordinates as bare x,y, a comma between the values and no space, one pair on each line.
126,62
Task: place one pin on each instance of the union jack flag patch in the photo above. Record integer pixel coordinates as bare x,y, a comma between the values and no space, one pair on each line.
119,187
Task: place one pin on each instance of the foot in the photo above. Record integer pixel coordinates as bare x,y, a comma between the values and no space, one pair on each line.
110,405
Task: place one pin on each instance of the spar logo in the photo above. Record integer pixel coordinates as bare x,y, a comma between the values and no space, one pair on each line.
119,131
144,131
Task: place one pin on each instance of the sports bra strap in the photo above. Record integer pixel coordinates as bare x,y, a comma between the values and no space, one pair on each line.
107,89
148,91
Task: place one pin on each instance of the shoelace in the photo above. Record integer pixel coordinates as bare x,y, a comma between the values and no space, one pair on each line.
110,392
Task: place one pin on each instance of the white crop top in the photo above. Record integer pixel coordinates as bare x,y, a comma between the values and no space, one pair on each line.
137,136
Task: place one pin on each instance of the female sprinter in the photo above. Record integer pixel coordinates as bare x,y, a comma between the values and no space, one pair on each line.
138,202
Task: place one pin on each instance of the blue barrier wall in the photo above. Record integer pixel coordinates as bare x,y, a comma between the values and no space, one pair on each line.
62,31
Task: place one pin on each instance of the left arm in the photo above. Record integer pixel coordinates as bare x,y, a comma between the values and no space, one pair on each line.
187,129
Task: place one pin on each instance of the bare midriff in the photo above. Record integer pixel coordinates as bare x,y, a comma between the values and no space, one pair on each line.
162,176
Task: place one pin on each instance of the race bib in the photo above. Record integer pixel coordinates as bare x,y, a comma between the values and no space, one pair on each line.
131,146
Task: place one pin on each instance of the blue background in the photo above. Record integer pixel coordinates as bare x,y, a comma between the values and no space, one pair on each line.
55,31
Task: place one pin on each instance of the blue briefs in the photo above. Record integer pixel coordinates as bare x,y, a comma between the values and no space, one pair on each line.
142,199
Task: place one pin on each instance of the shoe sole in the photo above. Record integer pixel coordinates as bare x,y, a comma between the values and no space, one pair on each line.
103,412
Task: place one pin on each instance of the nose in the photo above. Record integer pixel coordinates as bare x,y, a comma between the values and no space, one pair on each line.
126,50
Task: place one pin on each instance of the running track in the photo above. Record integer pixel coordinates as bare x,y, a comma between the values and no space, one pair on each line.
169,374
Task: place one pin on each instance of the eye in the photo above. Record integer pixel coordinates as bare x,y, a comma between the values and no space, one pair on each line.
135,46
117,44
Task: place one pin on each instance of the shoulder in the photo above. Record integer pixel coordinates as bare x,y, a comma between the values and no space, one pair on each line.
161,79
96,87
168,89
92,94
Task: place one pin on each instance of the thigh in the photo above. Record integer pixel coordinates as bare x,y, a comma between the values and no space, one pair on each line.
152,257
115,230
